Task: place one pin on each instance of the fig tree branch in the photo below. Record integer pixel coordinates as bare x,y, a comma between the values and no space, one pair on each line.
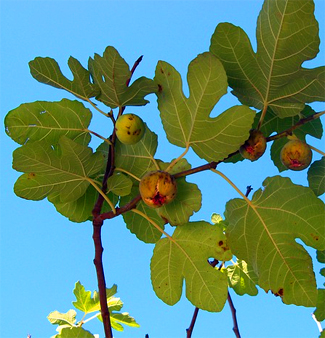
213,164
98,223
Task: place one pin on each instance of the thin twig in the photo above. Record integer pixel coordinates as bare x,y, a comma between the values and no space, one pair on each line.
234,317
191,327
231,304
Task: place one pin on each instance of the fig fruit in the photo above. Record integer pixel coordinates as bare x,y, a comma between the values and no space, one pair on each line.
157,188
129,128
296,155
254,147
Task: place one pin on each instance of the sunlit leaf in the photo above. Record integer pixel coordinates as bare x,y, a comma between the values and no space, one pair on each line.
119,184
48,121
47,70
185,256
122,318
111,73
287,35
320,306
47,172
138,225
59,318
316,176
74,332
263,231
187,121
188,200
84,302
242,278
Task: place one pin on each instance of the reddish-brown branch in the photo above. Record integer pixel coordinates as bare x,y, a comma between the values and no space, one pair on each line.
98,223
98,261
234,317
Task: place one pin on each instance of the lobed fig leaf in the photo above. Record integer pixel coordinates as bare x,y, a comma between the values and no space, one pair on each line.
47,70
287,35
111,73
187,121
48,121
184,256
263,232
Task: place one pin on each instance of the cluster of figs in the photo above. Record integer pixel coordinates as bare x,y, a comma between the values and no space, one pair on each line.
295,154
158,188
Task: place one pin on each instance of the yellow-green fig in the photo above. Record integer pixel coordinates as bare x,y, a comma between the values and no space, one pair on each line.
129,128
157,188
296,155
254,147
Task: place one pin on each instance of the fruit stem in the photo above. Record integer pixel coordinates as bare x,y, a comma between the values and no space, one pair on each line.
260,122
102,194
100,136
128,173
172,164
153,223
95,107
317,150
232,184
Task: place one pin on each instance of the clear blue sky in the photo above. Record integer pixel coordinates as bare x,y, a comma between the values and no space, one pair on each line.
42,253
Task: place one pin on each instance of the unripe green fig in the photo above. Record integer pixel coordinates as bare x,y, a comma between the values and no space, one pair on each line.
129,128
254,147
157,188
296,155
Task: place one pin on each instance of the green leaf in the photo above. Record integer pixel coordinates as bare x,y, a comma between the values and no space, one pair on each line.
47,70
316,177
216,218
59,318
122,318
320,306
184,256
74,332
242,278
187,121
84,302
138,225
287,35
48,171
263,231
111,73
321,256
48,121
119,184
136,159
188,200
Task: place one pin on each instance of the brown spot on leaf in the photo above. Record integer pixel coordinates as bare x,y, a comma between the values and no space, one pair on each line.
31,176
279,293
315,237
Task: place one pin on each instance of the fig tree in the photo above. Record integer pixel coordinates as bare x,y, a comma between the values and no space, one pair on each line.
254,147
296,155
157,188
129,128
